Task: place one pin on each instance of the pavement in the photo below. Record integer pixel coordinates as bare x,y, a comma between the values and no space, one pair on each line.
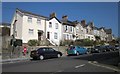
82,63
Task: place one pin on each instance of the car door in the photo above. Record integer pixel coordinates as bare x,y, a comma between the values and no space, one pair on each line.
82,50
46,52
52,52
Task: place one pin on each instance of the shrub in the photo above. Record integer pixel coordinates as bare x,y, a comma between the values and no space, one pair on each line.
32,42
66,42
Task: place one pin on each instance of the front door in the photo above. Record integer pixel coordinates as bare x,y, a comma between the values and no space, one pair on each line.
48,35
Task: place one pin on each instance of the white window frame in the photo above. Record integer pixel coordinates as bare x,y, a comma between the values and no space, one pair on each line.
38,21
31,31
50,24
71,29
66,28
29,19
55,35
56,25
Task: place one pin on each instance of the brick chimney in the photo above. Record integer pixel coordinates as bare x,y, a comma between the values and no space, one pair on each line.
65,17
52,15
83,22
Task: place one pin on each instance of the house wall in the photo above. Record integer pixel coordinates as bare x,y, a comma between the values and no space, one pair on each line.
91,37
90,31
17,25
26,35
52,30
80,32
68,34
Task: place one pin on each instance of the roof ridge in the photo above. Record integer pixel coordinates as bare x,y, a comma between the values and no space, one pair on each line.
24,11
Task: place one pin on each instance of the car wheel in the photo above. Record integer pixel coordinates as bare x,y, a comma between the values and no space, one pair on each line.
58,55
77,53
41,57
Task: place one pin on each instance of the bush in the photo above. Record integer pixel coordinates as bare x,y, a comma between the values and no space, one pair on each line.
84,42
32,42
66,42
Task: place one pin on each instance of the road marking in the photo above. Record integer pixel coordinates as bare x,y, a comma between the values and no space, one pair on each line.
59,70
80,66
95,64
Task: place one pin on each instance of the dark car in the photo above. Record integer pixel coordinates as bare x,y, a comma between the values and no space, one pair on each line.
45,52
110,48
90,50
117,47
98,49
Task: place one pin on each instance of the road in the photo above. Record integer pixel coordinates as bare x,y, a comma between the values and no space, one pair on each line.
82,63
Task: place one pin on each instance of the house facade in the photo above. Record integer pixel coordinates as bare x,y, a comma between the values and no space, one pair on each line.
68,29
89,31
28,26
54,30
80,31
102,34
108,34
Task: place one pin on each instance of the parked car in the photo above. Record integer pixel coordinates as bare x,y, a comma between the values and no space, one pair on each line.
110,48
117,47
45,52
76,50
98,49
89,50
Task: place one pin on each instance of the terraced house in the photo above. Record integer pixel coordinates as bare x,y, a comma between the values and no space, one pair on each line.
53,29
68,29
28,26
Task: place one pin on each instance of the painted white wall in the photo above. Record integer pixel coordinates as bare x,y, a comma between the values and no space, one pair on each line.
53,30
91,37
22,27
18,26
26,36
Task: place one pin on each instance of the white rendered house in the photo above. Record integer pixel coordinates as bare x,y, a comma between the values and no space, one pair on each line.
54,30
28,26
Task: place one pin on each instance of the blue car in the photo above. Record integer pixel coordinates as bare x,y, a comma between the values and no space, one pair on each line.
76,50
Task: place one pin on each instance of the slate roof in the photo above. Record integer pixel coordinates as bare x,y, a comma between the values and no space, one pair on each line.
96,28
108,31
26,12
67,22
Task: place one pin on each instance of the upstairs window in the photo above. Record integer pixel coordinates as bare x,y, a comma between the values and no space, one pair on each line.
50,24
30,19
38,21
56,25
66,28
71,29
31,31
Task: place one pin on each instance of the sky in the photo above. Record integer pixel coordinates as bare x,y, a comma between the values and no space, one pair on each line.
103,14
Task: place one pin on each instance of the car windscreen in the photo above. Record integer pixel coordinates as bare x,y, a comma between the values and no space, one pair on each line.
71,48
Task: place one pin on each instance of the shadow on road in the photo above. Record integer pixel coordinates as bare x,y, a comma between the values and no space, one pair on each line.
109,58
